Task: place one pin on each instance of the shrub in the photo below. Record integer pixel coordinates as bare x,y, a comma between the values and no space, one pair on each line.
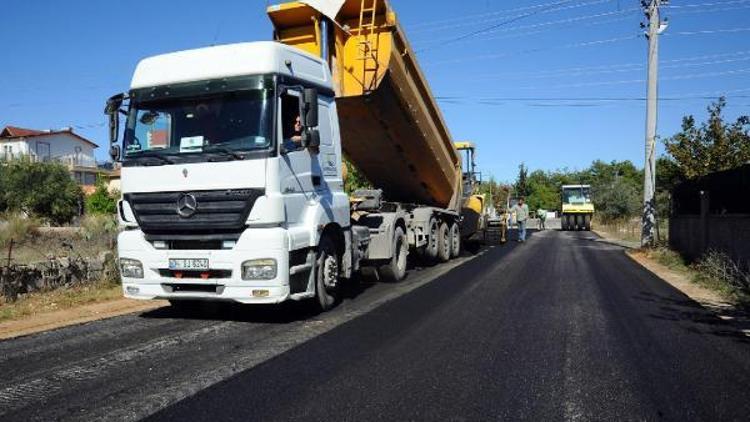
99,227
101,201
17,227
718,269
43,190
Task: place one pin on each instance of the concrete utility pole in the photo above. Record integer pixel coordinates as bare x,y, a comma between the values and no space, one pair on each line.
655,28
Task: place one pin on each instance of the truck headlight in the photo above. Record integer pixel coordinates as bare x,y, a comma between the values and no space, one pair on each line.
131,268
259,269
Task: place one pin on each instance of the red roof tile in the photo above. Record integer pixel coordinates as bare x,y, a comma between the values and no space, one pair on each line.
13,132
17,132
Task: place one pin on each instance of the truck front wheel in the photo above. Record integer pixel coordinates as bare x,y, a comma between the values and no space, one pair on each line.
395,270
327,275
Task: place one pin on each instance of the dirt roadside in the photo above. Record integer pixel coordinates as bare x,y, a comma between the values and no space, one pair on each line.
77,315
709,299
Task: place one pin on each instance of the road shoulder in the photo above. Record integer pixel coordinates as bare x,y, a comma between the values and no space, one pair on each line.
72,316
709,299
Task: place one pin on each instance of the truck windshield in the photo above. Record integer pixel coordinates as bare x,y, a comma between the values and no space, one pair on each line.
200,128
577,195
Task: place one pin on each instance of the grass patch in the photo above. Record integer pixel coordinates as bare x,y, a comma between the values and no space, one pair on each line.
17,227
714,271
58,299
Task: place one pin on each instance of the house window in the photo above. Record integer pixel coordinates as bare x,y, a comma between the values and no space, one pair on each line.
89,178
78,156
43,151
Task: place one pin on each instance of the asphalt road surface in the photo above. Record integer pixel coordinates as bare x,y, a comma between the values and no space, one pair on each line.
564,327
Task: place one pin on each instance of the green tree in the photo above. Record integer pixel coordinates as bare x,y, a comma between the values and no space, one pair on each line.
617,200
101,201
521,186
354,178
714,146
43,190
496,191
543,191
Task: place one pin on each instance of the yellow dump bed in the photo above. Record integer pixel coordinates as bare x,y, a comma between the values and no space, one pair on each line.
391,126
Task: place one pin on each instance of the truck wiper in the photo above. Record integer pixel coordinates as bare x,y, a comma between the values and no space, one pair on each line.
225,150
153,155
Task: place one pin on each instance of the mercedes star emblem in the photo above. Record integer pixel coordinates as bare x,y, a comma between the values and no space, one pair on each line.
187,205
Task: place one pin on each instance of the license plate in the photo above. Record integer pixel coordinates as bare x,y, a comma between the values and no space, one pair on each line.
188,264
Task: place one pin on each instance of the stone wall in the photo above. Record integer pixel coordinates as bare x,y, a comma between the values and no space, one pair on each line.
16,280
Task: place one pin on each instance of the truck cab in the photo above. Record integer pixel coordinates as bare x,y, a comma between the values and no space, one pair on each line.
231,175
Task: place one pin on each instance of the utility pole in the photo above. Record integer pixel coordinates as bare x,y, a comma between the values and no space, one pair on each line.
655,28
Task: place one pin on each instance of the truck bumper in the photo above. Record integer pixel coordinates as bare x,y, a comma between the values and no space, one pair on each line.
223,281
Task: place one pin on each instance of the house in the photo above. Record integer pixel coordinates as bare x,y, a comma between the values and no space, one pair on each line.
63,146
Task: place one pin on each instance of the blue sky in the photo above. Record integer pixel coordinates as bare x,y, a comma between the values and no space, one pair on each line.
501,88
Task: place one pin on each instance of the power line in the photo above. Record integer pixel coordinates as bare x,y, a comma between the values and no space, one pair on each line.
583,44
558,22
594,70
536,50
688,6
504,12
491,27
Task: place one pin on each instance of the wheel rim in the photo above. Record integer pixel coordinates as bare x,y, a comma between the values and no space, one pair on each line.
433,245
401,260
446,244
330,272
454,240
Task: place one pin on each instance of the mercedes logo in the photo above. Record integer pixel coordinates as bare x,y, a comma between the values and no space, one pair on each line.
187,205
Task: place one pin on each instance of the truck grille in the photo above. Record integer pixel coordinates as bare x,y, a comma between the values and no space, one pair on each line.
193,212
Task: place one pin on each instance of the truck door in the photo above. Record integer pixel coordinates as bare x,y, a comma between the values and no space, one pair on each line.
297,163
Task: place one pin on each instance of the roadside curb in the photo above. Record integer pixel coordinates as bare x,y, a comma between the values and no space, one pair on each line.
623,243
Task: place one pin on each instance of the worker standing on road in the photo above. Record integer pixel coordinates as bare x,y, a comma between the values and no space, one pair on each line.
542,216
522,214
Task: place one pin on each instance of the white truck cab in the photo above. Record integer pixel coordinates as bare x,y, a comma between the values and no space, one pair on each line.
223,198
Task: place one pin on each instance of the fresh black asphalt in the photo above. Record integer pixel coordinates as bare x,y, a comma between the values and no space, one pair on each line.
563,327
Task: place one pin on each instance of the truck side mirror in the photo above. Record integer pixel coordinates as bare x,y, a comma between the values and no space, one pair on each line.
112,109
310,100
114,152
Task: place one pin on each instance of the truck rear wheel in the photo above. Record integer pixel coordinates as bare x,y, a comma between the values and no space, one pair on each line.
579,222
433,241
444,242
395,270
564,222
327,275
455,240
587,222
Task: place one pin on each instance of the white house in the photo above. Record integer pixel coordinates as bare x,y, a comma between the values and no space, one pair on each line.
64,146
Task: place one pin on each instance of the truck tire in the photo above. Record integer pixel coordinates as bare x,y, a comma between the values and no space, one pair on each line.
433,241
587,222
326,275
579,221
444,243
455,240
564,222
395,270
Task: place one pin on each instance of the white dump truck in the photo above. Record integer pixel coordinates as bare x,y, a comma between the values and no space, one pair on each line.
232,180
